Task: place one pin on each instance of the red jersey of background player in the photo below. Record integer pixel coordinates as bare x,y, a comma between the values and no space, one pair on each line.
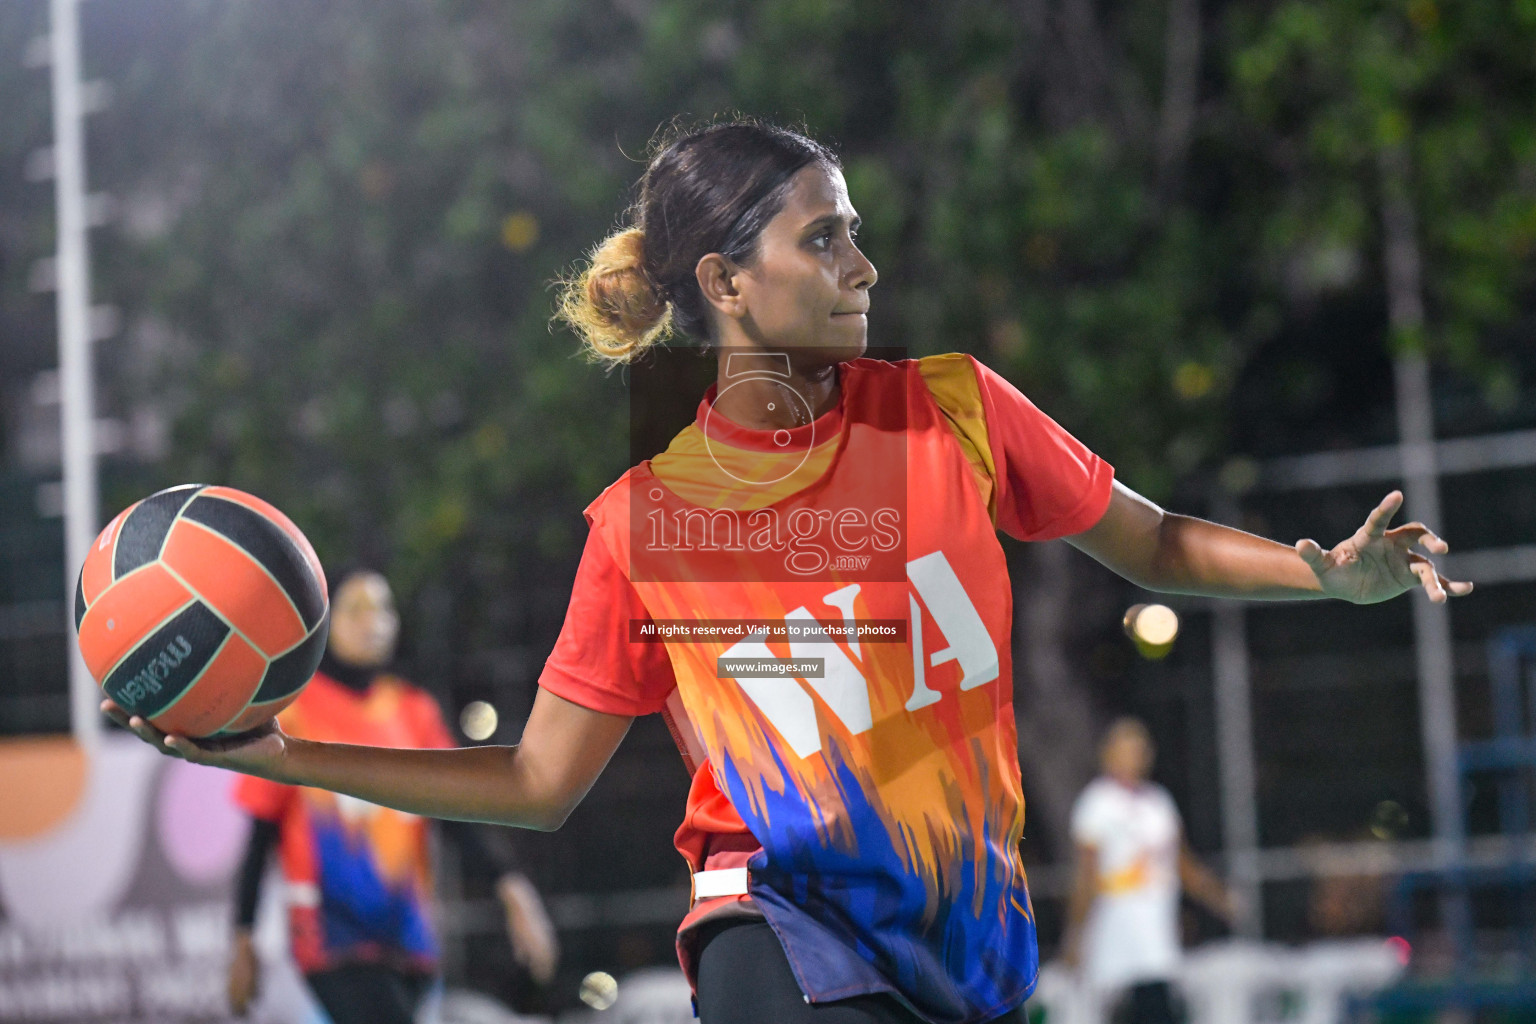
358,875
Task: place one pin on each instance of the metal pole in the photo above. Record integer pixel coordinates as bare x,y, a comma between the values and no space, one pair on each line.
76,380
1234,745
1234,732
1431,622
1421,488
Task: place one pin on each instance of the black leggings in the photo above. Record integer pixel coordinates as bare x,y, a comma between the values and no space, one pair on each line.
369,993
744,978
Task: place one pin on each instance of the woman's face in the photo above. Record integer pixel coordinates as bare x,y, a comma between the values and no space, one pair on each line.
808,287
1127,755
364,624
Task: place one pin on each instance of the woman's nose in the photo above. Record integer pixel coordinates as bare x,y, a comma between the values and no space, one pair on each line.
864,274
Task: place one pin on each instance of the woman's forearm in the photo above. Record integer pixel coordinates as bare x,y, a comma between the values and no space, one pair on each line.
1193,556
1181,555
1085,888
486,784
536,784
1079,902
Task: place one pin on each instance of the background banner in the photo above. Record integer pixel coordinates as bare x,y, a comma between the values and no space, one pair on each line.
116,875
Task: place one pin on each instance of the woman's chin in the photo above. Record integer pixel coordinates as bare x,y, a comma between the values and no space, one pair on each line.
831,348
850,342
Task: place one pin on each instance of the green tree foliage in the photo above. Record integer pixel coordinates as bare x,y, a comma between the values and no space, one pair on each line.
1345,103
341,220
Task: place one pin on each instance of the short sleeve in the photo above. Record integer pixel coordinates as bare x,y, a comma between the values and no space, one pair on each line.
1087,824
594,664
1049,484
262,798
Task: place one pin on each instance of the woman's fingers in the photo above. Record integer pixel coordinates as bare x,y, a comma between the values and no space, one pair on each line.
1312,553
1381,515
208,751
220,744
1437,586
184,748
141,728
133,723
146,732
112,711
180,746
1418,533
1425,571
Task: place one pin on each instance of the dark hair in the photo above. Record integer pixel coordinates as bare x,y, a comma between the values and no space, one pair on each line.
337,577
708,190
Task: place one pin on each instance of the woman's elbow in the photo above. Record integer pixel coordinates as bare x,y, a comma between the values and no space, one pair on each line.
534,816
1165,562
1143,571
546,824
549,817
545,781
545,804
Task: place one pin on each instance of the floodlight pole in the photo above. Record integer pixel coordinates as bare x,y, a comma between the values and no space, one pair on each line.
76,376
1233,677
1431,622
1421,488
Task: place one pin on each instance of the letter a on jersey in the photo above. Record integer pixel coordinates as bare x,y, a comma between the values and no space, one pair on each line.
957,618
843,687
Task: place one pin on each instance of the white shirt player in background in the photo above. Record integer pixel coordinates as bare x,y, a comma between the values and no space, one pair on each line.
1132,861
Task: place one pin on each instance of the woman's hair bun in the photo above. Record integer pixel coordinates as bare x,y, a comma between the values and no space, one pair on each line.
612,303
710,189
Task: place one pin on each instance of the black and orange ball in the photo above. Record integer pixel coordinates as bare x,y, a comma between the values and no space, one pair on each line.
203,609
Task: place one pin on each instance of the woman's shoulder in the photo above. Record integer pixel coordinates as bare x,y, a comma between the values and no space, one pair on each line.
939,363
614,499
951,377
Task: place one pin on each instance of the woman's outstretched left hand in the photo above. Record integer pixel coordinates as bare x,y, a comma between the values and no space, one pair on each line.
1377,564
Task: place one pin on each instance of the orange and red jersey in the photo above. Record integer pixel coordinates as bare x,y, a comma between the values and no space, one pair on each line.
876,799
358,875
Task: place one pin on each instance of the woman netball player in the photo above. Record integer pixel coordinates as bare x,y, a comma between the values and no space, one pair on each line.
855,812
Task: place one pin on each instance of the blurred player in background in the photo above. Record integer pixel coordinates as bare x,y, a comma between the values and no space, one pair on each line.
359,876
1123,917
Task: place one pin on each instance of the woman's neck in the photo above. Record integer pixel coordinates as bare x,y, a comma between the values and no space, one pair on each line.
751,384
354,677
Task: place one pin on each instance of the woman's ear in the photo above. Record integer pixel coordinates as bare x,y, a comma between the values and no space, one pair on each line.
717,277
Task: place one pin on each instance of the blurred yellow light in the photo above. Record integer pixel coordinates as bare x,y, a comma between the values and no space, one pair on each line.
1193,380
520,231
1153,628
1157,624
478,720
1388,820
599,990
